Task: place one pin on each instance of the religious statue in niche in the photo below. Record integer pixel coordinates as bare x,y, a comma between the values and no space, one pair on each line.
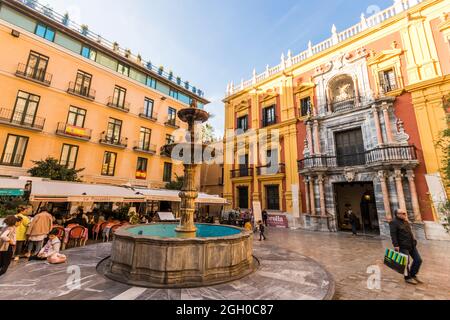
345,92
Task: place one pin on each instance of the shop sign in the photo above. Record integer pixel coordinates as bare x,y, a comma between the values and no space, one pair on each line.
278,221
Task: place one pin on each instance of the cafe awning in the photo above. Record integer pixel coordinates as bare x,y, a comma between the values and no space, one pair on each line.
53,191
12,187
56,191
173,196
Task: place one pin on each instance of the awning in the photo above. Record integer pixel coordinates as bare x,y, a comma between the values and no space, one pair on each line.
173,196
12,187
56,191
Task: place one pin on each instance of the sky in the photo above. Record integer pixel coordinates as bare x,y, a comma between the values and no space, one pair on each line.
213,42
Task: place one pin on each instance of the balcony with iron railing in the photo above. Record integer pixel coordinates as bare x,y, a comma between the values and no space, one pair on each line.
173,123
343,104
269,170
123,106
22,120
37,75
148,148
242,172
153,116
386,155
115,141
70,131
81,91
388,87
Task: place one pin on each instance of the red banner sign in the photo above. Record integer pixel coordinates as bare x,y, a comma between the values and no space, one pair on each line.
278,221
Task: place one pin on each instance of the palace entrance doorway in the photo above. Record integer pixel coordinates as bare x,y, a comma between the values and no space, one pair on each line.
360,198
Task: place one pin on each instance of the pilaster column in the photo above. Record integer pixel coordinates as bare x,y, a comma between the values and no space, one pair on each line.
382,176
377,125
414,199
323,209
387,122
316,138
307,196
312,196
399,186
309,138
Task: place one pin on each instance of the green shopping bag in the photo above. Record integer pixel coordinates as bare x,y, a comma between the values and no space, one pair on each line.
396,261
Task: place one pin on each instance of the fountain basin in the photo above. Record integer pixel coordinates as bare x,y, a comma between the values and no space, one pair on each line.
161,258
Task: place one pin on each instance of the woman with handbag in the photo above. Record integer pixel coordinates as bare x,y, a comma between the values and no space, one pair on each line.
7,242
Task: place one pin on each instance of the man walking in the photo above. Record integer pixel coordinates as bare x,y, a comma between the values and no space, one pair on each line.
261,231
404,242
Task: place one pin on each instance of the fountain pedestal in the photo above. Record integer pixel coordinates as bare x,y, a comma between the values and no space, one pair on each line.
186,259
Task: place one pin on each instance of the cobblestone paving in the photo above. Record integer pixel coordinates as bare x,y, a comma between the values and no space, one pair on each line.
347,258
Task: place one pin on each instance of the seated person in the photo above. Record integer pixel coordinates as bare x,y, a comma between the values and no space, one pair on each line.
52,247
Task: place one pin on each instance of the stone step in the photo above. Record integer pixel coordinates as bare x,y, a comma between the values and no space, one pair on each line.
436,231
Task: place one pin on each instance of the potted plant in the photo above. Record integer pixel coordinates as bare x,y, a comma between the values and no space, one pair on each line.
170,75
65,19
179,81
186,85
84,30
160,70
115,46
127,53
194,90
149,65
139,58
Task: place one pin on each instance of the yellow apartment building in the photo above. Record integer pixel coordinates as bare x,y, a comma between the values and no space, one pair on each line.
69,94
358,117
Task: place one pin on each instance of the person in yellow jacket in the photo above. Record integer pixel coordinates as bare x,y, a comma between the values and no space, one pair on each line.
21,231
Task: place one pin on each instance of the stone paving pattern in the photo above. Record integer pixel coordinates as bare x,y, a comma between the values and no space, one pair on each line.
285,273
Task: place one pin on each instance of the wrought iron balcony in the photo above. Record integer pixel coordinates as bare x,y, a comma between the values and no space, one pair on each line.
20,119
242,172
114,141
341,105
174,123
149,116
269,170
145,148
75,132
119,105
34,74
166,150
388,87
379,156
80,91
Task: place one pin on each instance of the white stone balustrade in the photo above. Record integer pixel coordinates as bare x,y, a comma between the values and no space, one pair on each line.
398,7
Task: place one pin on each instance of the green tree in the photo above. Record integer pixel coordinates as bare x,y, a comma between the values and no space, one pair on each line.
177,184
51,169
208,133
444,144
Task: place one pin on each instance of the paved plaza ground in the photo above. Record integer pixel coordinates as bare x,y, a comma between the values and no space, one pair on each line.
285,273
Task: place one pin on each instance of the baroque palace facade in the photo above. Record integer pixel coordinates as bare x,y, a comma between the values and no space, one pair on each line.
69,94
359,116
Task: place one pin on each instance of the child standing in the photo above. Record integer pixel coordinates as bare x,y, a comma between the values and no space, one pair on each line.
8,242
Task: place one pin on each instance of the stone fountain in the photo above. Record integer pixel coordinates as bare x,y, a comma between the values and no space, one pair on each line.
168,255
